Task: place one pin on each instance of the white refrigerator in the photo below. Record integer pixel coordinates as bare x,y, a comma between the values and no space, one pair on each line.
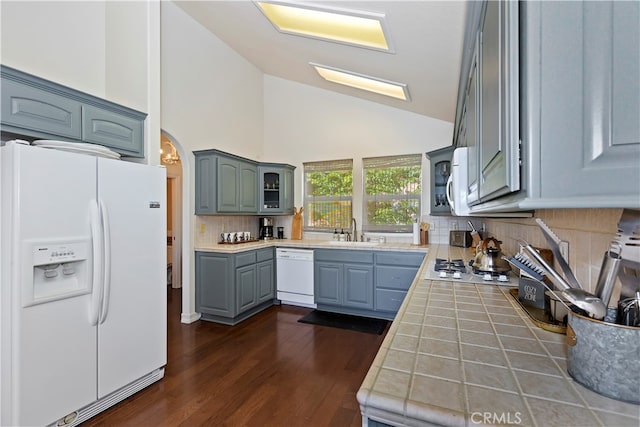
83,283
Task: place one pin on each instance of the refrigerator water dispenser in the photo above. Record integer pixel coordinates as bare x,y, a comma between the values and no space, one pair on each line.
59,270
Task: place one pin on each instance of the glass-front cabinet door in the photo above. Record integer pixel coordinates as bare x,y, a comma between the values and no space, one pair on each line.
276,188
270,187
440,169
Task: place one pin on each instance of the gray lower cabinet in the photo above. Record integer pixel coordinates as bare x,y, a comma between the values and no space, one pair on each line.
366,283
232,287
41,109
344,278
394,273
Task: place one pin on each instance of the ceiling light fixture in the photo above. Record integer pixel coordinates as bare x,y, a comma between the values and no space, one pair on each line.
361,81
363,29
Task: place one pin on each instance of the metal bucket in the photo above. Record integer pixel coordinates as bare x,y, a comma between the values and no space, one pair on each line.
604,357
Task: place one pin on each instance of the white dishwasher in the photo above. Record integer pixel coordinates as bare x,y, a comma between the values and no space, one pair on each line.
294,270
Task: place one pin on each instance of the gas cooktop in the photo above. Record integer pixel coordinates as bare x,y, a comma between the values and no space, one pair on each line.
457,270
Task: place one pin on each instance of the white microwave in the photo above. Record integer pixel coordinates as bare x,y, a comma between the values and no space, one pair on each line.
457,183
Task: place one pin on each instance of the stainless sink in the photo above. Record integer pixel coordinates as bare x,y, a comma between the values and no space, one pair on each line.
353,244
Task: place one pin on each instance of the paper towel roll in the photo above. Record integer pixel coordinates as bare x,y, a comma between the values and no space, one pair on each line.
416,233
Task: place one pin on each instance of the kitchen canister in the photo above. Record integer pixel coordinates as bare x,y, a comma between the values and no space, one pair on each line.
604,357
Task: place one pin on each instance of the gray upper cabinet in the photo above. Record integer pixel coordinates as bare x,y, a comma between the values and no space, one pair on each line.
228,184
37,108
498,70
276,188
237,182
557,92
582,105
225,184
440,169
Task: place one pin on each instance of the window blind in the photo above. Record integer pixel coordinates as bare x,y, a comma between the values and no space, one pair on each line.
328,194
392,192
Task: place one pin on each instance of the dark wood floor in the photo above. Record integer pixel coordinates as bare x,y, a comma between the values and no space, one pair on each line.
270,370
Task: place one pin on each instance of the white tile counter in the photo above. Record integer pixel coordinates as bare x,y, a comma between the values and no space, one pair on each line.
466,354
311,243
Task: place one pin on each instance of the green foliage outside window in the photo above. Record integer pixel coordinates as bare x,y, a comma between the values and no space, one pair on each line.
325,191
392,195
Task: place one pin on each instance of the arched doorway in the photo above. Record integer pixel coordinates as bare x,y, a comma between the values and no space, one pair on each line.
170,158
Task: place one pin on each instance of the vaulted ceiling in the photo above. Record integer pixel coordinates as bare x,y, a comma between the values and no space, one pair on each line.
427,37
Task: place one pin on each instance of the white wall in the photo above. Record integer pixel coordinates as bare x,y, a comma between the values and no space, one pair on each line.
107,49
303,124
60,41
211,96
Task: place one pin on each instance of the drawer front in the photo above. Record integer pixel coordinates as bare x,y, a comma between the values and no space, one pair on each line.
342,255
389,300
246,258
395,277
264,254
399,258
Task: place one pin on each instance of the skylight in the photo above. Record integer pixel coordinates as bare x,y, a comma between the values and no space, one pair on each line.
357,28
361,81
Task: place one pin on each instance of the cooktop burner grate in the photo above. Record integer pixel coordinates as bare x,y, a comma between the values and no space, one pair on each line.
450,266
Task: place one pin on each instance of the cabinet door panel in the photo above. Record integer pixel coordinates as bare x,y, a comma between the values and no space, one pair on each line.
288,191
227,185
246,287
499,134
327,283
205,184
112,130
40,111
214,285
594,136
358,286
471,131
248,188
265,281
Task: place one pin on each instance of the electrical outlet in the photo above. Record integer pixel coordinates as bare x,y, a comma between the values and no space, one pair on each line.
202,228
564,250
453,225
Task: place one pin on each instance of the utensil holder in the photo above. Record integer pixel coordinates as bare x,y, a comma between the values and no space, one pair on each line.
608,273
603,357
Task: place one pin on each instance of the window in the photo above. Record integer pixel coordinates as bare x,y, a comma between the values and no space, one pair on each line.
328,193
392,192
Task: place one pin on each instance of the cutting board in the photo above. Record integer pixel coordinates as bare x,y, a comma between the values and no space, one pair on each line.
296,224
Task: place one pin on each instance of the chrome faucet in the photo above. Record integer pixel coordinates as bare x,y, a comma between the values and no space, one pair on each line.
354,230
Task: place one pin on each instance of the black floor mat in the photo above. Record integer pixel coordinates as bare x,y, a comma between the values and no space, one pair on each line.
345,321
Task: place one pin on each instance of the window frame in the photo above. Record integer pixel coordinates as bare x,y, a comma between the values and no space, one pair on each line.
327,166
388,162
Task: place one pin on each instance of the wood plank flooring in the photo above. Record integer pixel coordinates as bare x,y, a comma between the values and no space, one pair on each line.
270,370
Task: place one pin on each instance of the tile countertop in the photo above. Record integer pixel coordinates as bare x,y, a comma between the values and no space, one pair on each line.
465,354
311,243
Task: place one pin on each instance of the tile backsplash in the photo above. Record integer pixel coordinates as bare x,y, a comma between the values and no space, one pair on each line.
588,232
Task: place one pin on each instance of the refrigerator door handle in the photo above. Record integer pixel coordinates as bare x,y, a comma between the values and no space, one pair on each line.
106,277
97,266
